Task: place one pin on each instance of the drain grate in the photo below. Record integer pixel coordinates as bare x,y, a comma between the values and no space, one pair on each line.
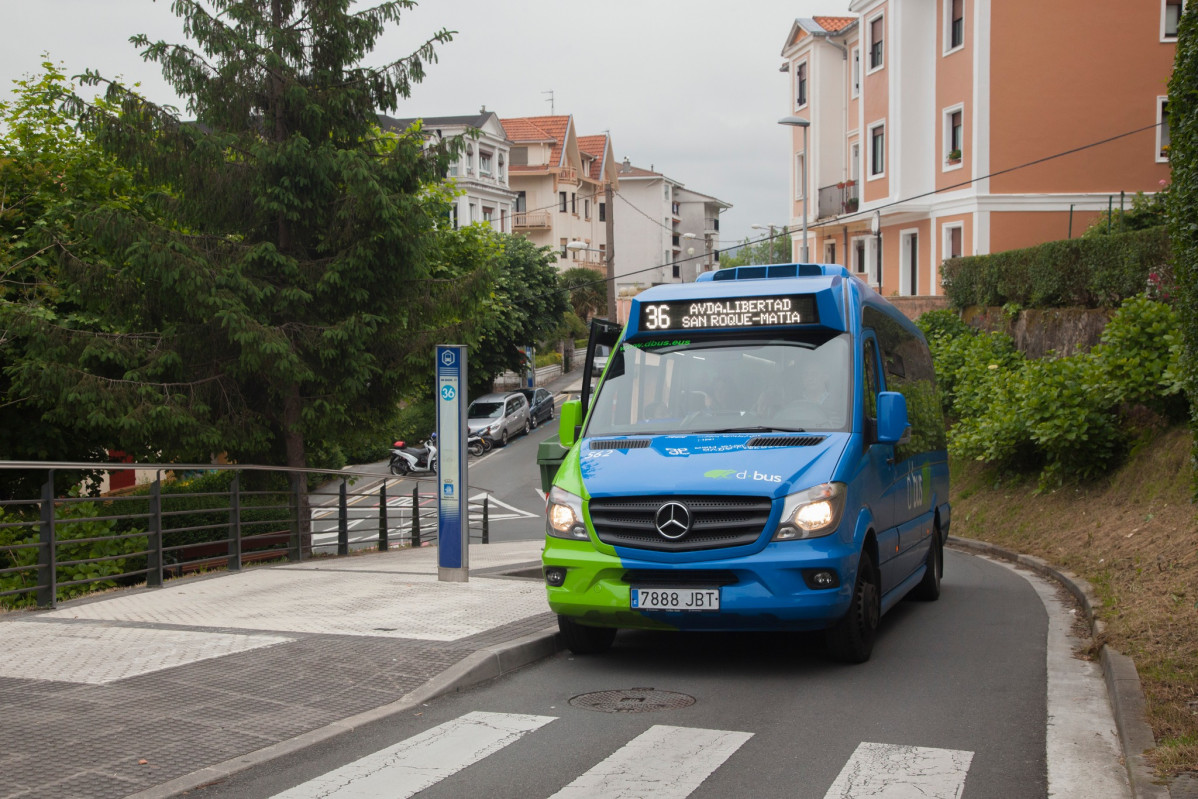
632,700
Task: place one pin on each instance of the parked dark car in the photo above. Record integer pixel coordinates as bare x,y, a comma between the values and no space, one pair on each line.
540,405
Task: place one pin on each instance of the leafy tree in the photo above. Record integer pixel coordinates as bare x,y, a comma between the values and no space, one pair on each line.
525,306
1183,200
284,286
588,291
49,172
763,250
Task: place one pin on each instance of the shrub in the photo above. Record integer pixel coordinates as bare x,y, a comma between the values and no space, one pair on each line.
1140,356
1097,272
1063,417
66,531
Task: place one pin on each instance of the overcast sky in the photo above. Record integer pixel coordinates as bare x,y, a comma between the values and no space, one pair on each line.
690,88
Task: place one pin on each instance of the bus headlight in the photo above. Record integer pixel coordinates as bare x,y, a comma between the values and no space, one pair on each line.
563,515
812,513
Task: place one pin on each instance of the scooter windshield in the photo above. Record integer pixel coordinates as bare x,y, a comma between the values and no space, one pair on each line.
719,385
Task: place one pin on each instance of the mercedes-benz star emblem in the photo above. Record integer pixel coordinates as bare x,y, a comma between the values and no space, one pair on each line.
673,520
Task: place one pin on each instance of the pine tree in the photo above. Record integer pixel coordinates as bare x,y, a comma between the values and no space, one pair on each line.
293,288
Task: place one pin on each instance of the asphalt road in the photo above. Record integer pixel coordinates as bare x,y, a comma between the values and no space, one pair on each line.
508,476
956,702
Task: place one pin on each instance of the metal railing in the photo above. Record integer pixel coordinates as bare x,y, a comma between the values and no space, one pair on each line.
198,517
837,199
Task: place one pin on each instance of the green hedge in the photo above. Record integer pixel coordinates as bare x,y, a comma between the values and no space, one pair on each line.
1098,272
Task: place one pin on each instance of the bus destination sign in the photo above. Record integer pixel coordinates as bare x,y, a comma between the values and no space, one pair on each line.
730,312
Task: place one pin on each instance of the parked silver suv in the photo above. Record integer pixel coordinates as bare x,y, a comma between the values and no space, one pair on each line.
499,416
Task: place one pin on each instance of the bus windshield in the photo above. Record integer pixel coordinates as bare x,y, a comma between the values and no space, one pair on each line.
726,385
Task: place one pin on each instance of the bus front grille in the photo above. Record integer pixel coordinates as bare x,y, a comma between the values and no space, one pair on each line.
715,521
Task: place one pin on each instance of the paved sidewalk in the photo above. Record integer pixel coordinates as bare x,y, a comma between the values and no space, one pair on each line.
148,692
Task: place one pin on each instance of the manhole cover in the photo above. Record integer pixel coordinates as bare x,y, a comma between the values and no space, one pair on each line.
632,700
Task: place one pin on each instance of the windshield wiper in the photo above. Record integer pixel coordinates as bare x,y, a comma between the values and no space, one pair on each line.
754,429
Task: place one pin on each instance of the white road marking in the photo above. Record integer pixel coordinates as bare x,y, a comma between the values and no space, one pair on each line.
662,762
410,766
520,514
892,771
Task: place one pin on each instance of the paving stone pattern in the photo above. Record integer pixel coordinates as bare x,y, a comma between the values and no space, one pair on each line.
86,740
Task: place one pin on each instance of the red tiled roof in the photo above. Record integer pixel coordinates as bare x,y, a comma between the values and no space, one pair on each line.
523,130
834,24
540,129
596,146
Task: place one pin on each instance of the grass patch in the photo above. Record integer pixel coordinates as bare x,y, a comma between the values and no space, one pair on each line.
1132,535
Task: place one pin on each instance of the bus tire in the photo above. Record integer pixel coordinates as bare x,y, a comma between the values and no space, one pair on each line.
928,589
583,640
851,640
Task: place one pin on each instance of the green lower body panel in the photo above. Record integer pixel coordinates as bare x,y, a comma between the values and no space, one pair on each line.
595,592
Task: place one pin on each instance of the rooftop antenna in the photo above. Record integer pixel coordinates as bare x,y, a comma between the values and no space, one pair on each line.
551,111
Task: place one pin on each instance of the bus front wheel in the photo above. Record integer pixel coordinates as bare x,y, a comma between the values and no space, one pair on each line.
852,639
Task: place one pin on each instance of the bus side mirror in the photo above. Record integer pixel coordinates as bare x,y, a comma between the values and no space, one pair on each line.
893,427
569,422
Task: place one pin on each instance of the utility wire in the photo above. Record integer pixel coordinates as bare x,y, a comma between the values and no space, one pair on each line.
860,214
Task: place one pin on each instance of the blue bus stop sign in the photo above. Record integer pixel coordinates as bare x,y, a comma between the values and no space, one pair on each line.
453,510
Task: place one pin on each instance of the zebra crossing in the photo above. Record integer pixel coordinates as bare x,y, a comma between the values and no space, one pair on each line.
663,762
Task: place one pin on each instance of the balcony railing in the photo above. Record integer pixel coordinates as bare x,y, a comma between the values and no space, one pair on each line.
589,257
567,174
530,219
711,225
837,199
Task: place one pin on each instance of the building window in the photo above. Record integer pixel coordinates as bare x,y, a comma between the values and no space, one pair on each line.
953,241
956,24
877,150
1170,18
484,163
954,136
488,214
564,251
801,84
800,175
856,71
677,270
586,209
1163,139
829,252
602,212
561,201
574,203
473,213
859,256
876,27
453,216
855,163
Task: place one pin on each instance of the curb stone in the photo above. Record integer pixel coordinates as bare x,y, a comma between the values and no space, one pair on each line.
478,667
1122,680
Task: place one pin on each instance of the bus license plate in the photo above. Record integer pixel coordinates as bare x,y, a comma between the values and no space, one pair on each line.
675,599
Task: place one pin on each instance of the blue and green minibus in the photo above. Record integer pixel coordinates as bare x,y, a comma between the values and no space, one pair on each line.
765,450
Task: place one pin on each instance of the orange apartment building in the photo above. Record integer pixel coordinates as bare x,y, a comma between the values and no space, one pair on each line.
559,180
960,127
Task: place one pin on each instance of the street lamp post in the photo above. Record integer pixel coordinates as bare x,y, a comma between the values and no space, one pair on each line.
799,122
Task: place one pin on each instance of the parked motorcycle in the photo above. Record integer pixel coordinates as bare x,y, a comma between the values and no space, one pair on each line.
405,459
477,444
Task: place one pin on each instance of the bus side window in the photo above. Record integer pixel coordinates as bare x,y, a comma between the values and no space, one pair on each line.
870,361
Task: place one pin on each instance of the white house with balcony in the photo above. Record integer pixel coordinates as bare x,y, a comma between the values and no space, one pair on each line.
665,232
481,172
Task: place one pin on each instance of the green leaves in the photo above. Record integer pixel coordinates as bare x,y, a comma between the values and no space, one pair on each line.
1067,418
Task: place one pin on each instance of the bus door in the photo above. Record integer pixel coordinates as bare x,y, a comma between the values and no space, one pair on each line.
879,476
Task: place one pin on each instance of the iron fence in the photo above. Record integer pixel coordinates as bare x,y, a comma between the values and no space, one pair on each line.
191,518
